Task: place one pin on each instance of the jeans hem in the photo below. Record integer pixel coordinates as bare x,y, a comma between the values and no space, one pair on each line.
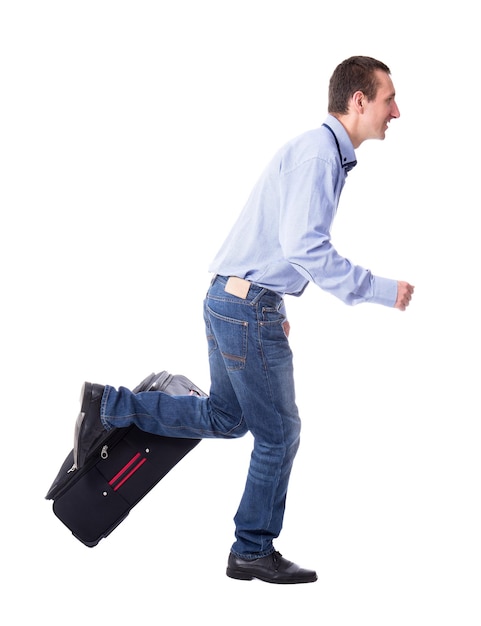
103,405
253,556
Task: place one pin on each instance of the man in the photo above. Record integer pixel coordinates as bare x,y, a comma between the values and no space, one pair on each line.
280,243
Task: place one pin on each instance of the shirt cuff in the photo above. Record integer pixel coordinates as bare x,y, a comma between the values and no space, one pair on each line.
384,291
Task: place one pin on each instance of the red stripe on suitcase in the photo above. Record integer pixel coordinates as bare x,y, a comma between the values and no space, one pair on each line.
125,468
132,471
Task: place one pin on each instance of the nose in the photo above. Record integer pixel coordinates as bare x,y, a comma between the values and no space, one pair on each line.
395,110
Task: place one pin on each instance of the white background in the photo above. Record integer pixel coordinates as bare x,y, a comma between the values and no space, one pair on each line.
131,135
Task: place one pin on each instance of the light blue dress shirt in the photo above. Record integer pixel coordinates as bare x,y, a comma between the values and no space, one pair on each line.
281,240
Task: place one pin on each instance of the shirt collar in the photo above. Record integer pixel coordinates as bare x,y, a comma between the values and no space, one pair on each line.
344,143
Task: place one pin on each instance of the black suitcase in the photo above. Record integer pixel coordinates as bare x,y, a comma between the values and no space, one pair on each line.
93,500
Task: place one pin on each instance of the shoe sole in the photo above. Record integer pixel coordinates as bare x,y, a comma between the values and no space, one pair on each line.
241,575
85,397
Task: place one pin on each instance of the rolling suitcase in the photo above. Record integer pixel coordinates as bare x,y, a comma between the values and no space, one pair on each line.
93,500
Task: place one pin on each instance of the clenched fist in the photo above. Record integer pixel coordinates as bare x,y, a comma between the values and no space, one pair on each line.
404,295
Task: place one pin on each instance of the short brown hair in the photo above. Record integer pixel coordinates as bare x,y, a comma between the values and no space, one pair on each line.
354,74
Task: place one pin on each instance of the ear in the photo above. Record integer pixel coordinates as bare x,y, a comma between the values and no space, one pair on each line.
358,101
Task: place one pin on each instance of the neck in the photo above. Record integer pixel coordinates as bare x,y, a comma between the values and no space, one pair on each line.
350,124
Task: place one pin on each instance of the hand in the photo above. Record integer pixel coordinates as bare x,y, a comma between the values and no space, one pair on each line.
404,295
287,327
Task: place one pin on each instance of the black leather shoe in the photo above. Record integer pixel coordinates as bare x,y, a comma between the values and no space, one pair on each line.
273,568
89,430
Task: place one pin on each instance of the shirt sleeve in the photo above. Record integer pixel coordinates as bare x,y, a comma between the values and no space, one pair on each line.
309,197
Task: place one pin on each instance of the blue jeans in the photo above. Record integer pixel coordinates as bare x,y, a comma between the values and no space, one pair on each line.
252,389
